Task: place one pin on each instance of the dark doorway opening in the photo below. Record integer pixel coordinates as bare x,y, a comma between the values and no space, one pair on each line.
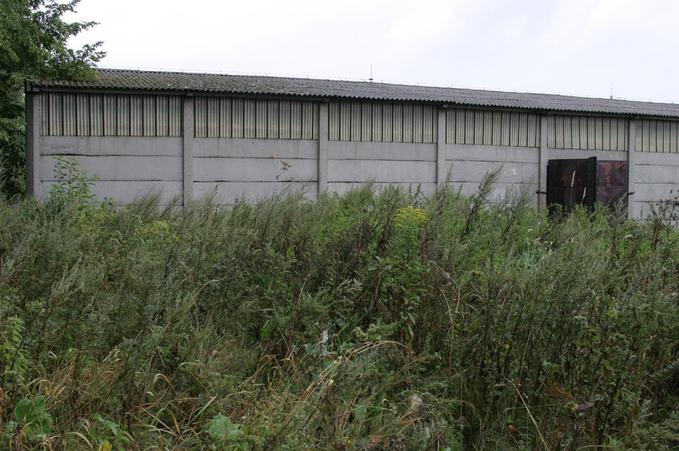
572,182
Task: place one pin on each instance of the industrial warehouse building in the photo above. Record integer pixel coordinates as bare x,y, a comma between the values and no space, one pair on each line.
186,135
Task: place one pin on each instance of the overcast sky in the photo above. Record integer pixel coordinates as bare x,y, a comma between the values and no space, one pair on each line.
577,47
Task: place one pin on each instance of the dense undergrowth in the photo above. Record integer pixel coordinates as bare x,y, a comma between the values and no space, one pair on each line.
366,321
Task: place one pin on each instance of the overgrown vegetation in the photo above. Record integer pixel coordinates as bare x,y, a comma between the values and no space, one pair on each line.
367,321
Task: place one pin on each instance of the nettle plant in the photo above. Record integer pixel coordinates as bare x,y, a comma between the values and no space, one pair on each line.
73,186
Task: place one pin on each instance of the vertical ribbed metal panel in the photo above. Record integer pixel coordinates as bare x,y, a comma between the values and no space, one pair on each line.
408,123
366,119
477,118
487,128
334,121
376,122
417,123
587,133
613,124
606,133
212,117
523,129
123,115
83,114
237,109
623,134
514,130
582,125
284,119
469,127
387,122
459,125
69,114
273,127
505,126
225,118
295,120
309,120
44,106
450,126
110,118
136,114
397,123
575,132
666,137
533,131
96,115
496,128
56,121
355,118
175,116
674,140
261,117
567,132
149,116
591,133
558,132
345,121
200,117
249,118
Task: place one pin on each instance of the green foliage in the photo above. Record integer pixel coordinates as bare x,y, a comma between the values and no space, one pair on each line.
73,187
365,321
33,421
34,45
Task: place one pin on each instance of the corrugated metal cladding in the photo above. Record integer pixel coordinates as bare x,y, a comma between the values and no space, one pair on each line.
384,122
224,117
492,128
65,114
587,133
657,136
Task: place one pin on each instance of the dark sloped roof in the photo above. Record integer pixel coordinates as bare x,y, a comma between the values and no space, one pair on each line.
307,87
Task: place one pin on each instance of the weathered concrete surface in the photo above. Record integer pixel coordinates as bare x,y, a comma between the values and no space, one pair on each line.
385,151
255,148
254,170
103,145
121,168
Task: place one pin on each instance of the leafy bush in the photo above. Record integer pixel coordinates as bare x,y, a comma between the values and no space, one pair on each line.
366,321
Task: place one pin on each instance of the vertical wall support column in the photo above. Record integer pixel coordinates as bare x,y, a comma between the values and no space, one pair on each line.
322,147
542,164
631,163
33,123
441,149
187,148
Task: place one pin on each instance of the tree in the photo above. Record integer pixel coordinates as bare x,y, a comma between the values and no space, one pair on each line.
34,45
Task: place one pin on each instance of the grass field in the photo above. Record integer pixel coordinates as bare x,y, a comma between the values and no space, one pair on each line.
367,321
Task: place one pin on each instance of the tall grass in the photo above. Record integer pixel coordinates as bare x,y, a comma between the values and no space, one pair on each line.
366,321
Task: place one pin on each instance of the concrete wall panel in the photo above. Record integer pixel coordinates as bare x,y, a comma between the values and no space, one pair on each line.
646,173
492,153
362,171
475,171
254,169
251,148
346,150
97,145
110,168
